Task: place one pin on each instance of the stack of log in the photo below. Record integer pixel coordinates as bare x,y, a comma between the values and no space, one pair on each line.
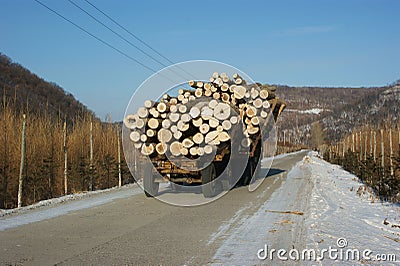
199,120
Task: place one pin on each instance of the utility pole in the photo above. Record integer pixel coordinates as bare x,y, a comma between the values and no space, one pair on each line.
21,168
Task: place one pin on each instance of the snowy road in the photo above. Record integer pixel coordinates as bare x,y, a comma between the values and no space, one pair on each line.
303,204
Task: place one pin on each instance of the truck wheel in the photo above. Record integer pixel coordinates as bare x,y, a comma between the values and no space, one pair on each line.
247,172
208,176
149,184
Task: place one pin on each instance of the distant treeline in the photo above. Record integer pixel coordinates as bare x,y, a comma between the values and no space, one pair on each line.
374,156
44,164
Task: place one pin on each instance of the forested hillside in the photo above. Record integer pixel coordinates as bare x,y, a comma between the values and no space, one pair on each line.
67,149
28,92
337,111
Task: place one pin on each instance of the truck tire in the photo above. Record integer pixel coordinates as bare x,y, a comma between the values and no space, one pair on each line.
149,184
209,185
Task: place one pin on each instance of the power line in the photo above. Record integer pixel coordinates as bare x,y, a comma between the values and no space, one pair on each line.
94,36
120,36
129,32
135,36
116,33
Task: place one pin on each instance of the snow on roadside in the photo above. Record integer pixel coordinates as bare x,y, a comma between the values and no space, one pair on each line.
317,205
252,232
341,207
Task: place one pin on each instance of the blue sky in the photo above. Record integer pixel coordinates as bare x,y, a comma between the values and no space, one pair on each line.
321,43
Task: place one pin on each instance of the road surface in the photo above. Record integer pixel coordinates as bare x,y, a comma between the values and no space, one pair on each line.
123,227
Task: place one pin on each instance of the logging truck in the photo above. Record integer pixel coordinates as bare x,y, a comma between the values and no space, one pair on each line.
202,123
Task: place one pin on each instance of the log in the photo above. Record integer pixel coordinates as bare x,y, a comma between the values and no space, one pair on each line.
198,93
263,114
166,123
207,93
184,151
150,133
182,126
193,151
216,95
175,148
143,138
194,112
251,111
222,111
200,151
142,112
180,97
161,107
198,138
213,103
173,101
134,136
153,112
225,97
255,121
204,128
197,122
207,86
130,121
164,135
239,92
140,123
187,143
264,94
173,108
192,83
220,128
147,149
137,145
182,108
174,117
208,149
213,122
258,103
234,120
223,136
153,123
266,105
161,148
211,137
177,135
186,118
224,87
254,93
252,130
206,112
227,125
148,104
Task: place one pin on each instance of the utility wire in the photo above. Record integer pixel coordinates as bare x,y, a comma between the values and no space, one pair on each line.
99,39
120,36
135,36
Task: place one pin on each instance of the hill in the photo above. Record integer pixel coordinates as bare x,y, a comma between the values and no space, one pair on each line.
26,91
337,110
